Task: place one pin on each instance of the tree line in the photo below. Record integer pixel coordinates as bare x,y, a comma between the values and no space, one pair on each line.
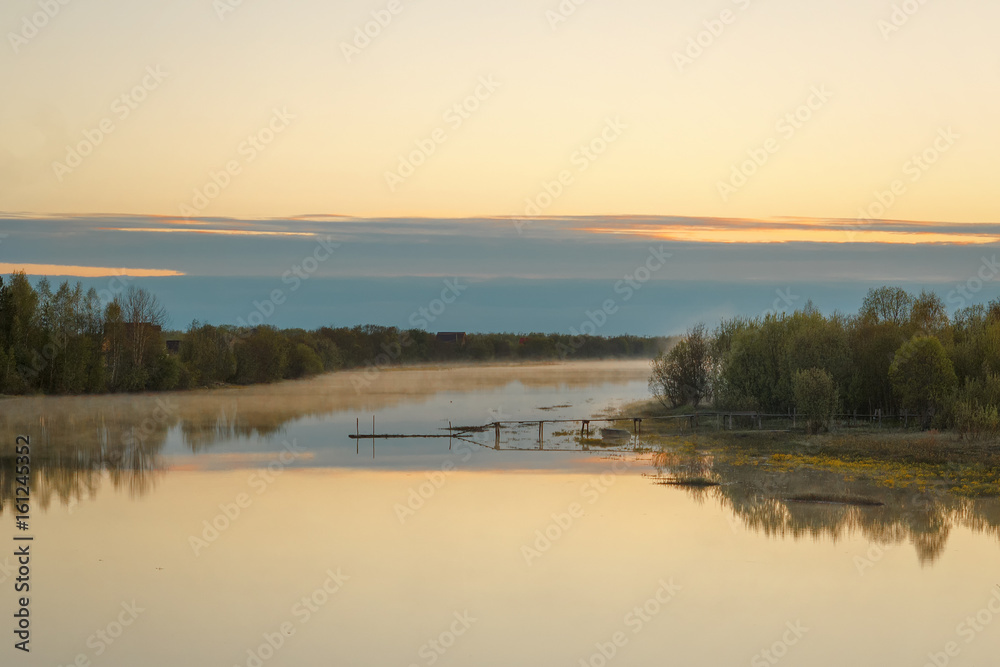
71,341
900,354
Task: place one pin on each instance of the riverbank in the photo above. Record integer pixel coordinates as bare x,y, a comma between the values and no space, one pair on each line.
888,458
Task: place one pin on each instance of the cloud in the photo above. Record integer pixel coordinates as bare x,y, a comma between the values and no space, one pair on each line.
718,230
85,271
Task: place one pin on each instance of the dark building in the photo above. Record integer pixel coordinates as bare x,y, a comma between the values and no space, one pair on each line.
457,337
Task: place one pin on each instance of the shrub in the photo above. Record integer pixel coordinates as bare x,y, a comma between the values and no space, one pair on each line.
923,376
815,397
975,421
304,362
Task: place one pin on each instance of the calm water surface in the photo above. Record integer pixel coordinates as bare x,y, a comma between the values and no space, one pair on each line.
244,527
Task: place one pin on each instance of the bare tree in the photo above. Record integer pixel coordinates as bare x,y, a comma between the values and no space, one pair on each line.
143,317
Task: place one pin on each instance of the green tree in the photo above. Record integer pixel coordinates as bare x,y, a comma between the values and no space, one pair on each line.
923,376
261,357
303,362
208,353
815,397
681,375
887,305
21,334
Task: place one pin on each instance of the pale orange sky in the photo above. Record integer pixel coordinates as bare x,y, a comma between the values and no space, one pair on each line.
671,131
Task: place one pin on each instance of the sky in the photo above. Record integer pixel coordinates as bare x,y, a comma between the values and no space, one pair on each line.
767,142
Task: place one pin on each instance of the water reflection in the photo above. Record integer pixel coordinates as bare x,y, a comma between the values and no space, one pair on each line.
767,502
133,441
72,452
77,439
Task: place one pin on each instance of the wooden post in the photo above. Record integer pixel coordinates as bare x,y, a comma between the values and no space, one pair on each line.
541,430
496,425
373,436
449,435
357,432
795,413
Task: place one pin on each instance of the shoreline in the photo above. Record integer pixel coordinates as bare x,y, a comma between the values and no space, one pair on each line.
633,365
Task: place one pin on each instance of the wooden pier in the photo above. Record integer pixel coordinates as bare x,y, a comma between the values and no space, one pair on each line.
726,420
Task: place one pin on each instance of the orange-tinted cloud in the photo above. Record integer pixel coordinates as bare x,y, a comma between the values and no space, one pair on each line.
711,230
221,232
84,271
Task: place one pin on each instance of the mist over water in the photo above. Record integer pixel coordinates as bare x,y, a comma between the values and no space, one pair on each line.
219,511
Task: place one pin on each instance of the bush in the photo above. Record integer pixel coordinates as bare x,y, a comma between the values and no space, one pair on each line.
261,357
304,362
681,376
815,398
923,376
975,421
166,375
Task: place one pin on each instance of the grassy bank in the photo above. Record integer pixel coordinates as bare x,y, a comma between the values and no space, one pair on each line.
884,457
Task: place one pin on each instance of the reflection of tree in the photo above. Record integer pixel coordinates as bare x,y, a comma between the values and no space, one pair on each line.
78,439
72,450
200,430
761,499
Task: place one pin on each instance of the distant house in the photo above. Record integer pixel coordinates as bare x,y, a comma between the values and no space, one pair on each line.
457,337
174,346
130,332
